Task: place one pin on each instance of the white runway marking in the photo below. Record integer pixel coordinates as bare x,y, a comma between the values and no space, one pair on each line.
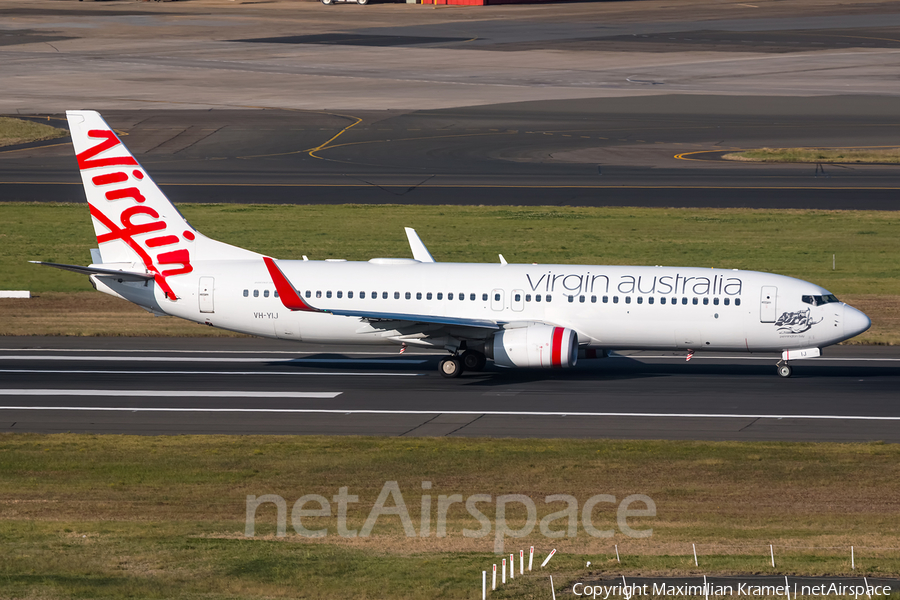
156,351
767,358
336,411
336,361
146,372
167,394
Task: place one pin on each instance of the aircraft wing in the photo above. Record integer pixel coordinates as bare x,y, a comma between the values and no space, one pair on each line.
291,299
415,318
123,275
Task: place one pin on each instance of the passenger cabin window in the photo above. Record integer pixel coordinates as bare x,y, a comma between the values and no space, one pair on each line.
408,295
593,299
662,300
640,299
256,293
450,296
440,296
715,301
349,294
547,298
340,294
418,295
605,299
428,296
571,298
318,293
484,298
276,293
246,293
518,297
537,297
265,293
472,297
462,296
684,300
615,299
396,295
328,294
384,295
627,299
527,297
694,301
581,298
650,300
726,301
705,301
737,301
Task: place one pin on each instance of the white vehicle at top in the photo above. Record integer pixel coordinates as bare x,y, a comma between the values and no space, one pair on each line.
542,316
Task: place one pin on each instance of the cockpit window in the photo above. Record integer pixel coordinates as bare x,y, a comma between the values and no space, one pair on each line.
819,300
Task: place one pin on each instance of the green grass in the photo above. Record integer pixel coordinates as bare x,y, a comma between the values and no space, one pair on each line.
18,131
790,242
819,155
163,517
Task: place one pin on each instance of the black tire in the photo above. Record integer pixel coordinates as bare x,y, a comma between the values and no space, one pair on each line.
450,367
784,371
362,2
327,2
473,361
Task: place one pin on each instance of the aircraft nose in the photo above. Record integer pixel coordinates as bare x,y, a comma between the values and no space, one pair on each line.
855,321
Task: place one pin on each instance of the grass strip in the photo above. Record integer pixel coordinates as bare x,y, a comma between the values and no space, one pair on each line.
164,517
818,155
799,243
18,131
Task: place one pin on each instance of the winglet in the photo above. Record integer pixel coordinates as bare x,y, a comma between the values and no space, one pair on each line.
420,252
286,291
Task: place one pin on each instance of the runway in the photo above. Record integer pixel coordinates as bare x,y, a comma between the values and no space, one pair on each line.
240,386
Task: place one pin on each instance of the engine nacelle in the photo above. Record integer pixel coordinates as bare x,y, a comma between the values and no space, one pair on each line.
542,346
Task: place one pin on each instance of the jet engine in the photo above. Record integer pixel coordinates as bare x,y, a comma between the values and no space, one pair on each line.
541,346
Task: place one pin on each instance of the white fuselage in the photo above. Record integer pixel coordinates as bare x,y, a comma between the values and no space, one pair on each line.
610,307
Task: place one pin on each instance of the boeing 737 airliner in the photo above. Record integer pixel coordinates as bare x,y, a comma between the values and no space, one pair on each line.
516,315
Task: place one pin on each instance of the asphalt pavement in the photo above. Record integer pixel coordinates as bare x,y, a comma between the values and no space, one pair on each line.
243,386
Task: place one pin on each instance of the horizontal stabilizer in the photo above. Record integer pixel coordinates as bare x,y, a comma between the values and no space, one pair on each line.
123,275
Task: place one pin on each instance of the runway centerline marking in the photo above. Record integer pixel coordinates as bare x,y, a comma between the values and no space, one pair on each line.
421,412
146,372
167,394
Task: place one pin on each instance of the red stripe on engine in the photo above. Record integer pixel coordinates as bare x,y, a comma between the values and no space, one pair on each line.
556,356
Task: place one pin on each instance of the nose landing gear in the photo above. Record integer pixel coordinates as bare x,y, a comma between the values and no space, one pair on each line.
784,369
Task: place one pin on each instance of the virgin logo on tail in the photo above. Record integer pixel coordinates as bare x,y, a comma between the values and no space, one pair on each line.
137,219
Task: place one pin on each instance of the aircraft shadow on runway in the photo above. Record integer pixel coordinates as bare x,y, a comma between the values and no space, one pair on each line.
603,369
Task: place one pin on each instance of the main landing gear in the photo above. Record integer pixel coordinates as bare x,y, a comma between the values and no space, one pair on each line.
784,369
470,360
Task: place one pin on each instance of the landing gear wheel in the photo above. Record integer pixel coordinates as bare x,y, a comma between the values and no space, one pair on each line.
451,367
473,361
784,370
327,2
362,1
